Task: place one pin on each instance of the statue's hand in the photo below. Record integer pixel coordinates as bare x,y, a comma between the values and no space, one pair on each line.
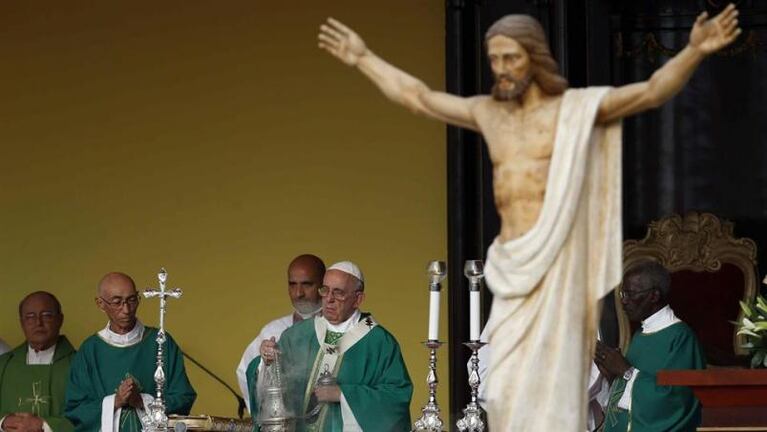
341,41
710,35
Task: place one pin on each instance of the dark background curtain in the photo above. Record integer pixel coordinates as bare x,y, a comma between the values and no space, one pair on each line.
703,150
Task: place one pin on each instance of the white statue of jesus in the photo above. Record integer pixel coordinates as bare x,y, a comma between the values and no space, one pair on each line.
556,157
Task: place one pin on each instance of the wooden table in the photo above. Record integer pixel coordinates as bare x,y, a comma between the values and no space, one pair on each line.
732,399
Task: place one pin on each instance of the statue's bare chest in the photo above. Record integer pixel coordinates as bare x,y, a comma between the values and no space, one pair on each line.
520,136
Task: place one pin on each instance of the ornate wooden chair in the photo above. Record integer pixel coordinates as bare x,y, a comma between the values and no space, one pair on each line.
710,272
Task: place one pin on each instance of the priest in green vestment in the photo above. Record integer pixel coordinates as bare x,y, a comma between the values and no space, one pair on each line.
636,402
33,377
372,389
111,379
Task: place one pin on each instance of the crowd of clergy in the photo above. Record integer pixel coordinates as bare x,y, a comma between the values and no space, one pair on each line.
105,385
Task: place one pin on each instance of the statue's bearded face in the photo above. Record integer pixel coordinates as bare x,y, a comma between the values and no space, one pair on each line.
511,68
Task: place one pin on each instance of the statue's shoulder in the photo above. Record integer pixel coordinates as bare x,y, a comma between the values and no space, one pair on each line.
586,92
485,107
482,102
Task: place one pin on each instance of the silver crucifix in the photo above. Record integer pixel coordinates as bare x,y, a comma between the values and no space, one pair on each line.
156,419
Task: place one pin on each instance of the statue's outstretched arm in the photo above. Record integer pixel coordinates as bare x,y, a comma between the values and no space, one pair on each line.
346,45
707,36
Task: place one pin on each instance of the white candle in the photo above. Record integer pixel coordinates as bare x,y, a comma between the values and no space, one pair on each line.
474,315
433,315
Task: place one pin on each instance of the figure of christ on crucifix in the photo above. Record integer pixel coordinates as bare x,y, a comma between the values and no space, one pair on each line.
556,155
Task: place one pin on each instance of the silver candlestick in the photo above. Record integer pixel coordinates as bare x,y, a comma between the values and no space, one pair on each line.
473,413
156,418
430,420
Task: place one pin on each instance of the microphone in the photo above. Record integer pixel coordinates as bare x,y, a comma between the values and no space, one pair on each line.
240,400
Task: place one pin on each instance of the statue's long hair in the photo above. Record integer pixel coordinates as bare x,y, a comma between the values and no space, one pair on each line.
528,32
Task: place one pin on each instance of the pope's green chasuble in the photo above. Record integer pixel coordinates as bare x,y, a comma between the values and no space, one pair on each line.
368,367
99,367
657,408
36,389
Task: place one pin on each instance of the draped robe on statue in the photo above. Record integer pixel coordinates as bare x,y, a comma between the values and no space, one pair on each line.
100,366
36,388
547,284
368,366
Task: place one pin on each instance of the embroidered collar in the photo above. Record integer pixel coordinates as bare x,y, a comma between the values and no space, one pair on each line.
332,338
123,340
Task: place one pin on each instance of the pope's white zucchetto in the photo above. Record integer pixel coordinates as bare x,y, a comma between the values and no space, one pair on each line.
348,267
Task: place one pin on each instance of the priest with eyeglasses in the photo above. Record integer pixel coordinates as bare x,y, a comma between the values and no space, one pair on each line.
111,379
33,376
372,389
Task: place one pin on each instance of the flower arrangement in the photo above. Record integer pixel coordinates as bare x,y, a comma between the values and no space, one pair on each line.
754,327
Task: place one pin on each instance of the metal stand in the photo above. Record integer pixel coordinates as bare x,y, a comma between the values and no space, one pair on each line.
156,418
430,420
472,414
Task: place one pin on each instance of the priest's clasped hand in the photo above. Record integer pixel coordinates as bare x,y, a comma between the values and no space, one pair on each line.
268,350
328,393
610,361
22,422
128,394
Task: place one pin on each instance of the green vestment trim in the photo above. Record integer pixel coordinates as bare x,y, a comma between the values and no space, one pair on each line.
36,389
332,337
317,423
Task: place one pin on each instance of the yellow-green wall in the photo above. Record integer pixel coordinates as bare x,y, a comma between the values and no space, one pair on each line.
215,139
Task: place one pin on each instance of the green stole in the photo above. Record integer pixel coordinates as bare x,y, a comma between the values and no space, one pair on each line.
36,389
328,361
657,408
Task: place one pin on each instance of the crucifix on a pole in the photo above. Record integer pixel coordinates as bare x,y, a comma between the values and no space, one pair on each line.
156,419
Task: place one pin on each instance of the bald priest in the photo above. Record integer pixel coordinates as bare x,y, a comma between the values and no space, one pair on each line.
112,376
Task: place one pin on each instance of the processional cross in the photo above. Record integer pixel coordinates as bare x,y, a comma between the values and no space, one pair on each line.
156,419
